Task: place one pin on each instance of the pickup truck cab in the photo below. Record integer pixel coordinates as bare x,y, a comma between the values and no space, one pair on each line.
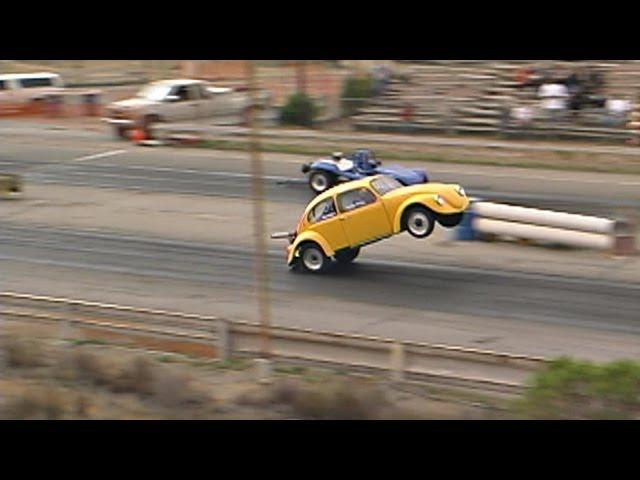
173,101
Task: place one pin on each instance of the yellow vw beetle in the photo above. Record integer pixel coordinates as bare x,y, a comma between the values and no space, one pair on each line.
344,218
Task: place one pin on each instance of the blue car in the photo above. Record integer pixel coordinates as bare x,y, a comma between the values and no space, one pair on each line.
327,172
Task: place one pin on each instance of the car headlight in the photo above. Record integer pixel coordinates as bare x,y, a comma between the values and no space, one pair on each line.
461,191
439,200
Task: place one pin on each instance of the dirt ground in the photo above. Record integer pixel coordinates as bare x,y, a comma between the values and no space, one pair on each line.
49,378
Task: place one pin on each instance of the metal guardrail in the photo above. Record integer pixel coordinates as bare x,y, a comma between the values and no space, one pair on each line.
456,366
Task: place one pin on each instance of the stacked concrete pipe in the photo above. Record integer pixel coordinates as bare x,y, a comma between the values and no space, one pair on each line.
489,219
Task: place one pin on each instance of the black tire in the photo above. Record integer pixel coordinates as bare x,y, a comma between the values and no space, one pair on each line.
312,258
419,221
148,123
347,255
320,181
120,132
450,221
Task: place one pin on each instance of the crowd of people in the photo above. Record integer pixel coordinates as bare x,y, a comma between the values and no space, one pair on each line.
562,96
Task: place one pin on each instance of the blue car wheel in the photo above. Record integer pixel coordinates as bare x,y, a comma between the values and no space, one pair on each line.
320,181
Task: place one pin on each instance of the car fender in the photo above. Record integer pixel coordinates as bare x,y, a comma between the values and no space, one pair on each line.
325,166
309,236
404,175
428,200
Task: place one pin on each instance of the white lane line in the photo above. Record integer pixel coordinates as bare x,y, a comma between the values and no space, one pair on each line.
99,155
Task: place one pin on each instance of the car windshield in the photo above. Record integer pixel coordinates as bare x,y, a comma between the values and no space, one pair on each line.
155,93
384,185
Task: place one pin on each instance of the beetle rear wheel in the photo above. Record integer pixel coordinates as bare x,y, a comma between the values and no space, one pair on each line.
312,258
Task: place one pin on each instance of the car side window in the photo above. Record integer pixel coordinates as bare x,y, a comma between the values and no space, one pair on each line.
194,92
181,92
322,211
204,93
2,86
355,199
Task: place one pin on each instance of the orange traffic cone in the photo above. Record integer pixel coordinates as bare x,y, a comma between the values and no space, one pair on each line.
138,135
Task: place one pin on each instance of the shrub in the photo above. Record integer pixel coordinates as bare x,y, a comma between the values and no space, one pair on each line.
38,403
571,389
174,389
135,377
24,352
300,109
344,400
89,367
355,92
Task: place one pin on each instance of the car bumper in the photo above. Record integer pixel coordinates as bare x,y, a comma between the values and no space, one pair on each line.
119,122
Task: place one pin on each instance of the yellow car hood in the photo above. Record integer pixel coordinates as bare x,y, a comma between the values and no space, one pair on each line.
448,191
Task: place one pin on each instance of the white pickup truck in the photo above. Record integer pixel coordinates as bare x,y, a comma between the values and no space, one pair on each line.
174,101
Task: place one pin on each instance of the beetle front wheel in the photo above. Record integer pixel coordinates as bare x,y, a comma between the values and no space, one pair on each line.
419,222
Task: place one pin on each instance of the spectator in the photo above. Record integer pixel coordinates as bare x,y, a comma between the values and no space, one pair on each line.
524,77
554,100
381,77
408,114
523,116
634,123
617,111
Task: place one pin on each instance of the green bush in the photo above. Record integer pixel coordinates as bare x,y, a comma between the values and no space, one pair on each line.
572,389
355,91
299,110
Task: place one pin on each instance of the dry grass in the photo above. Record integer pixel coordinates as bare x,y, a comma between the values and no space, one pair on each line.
135,377
39,403
343,399
173,389
91,368
24,352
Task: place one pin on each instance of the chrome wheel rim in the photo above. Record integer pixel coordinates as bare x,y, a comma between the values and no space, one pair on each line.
319,183
418,223
312,259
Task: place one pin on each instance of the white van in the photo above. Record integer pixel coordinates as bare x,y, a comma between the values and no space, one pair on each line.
23,88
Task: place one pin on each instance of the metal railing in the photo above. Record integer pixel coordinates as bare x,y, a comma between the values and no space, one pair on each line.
403,361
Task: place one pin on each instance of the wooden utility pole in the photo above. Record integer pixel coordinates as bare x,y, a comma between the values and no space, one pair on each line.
301,76
259,231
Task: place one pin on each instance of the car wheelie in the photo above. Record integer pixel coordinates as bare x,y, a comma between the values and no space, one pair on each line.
337,223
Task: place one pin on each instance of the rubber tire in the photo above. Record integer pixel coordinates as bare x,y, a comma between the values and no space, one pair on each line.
317,173
147,124
347,255
450,221
304,249
426,214
121,133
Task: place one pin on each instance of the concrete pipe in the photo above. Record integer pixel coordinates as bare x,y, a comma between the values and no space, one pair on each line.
548,218
544,234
